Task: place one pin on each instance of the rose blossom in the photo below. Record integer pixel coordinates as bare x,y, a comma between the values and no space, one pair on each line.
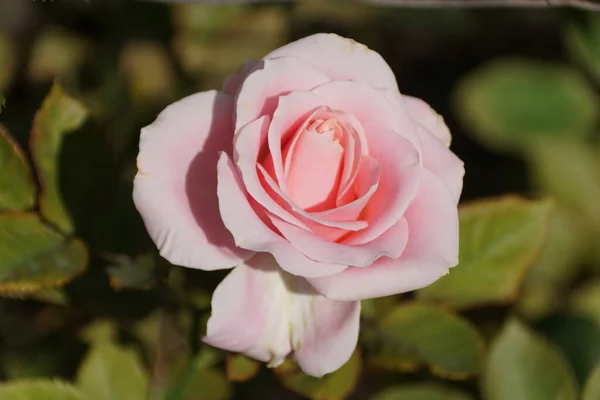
318,181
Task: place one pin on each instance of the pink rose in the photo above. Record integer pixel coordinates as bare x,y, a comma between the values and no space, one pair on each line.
318,181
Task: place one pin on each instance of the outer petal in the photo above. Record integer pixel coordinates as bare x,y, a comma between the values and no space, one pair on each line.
441,161
175,187
273,78
340,59
426,116
263,312
250,232
432,248
233,82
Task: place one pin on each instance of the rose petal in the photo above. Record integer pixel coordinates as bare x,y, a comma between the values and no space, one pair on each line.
261,89
340,59
233,82
438,159
398,185
432,248
264,312
426,116
175,187
250,232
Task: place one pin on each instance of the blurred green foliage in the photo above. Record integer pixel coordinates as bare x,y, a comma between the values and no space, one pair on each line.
88,310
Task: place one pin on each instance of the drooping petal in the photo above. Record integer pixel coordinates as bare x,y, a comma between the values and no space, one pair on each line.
250,232
426,116
340,59
265,313
398,185
261,89
175,187
431,250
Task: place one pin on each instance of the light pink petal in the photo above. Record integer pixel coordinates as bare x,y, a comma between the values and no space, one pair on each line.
431,250
175,187
443,162
426,116
327,335
233,82
247,144
398,185
340,59
249,312
261,89
390,244
265,313
250,232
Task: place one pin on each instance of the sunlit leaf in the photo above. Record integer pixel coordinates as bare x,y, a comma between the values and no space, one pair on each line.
500,239
591,390
512,103
17,190
111,372
39,390
34,257
421,391
334,386
416,334
240,368
523,366
59,115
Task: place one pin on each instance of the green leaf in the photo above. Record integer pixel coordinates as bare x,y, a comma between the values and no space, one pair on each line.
583,42
111,372
511,103
568,169
137,273
523,366
334,386
500,239
558,265
39,390
59,115
17,190
421,391
34,257
585,300
200,381
417,334
592,387
240,368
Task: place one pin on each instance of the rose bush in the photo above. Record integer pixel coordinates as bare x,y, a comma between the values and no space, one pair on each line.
318,181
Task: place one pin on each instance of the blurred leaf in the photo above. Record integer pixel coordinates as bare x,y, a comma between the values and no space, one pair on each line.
585,300
56,53
34,257
200,381
17,190
557,266
137,273
39,390
577,338
415,334
8,61
567,169
111,372
51,296
592,387
99,331
334,386
147,69
379,307
500,239
421,391
583,42
512,103
521,365
240,368
59,115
